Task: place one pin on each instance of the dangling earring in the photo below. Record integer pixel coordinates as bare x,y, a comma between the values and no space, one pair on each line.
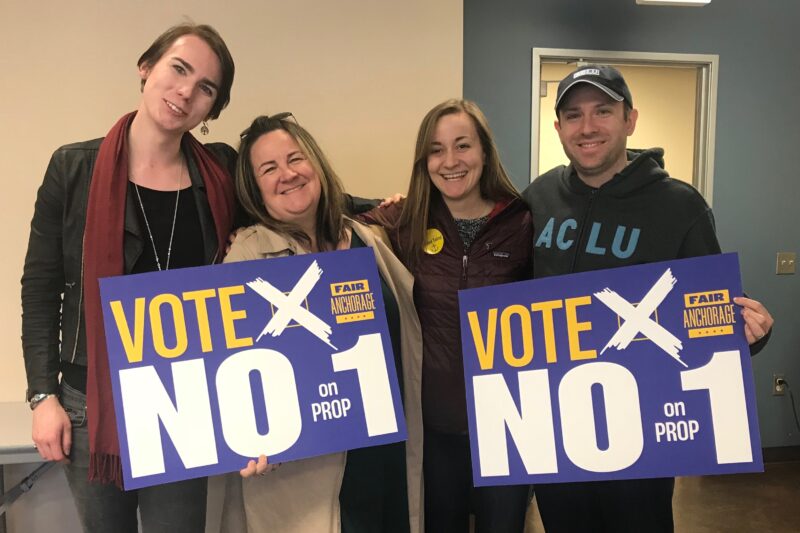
204,128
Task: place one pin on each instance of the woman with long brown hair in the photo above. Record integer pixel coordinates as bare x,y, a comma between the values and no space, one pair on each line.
462,225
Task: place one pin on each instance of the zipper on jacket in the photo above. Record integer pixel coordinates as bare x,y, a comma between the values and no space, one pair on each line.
80,308
465,256
579,242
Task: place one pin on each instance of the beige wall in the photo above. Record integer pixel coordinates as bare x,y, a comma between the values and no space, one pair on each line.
665,98
358,74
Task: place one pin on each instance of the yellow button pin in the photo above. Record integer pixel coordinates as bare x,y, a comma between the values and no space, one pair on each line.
434,241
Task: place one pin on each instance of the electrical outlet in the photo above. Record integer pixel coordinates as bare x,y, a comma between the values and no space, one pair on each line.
778,385
785,263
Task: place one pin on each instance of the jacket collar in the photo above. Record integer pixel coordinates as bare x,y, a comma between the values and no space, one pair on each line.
133,247
270,242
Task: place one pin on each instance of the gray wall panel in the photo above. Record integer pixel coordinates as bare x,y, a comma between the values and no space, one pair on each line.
756,183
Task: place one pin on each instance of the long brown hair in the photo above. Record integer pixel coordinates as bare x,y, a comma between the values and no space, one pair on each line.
330,210
494,184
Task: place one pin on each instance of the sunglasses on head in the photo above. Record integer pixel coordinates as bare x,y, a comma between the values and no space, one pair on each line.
278,117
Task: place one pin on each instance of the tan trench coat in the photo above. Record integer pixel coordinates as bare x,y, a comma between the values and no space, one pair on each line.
303,496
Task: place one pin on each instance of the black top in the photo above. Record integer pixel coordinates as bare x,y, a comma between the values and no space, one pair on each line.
392,316
187,246
187,242
374,492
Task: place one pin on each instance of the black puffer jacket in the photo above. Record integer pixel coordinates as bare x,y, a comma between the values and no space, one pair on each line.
52,293
501,253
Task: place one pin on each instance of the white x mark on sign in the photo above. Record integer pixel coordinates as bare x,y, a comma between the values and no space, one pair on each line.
290,308
637,319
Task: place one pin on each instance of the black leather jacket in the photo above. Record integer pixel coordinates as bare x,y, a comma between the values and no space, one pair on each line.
52,292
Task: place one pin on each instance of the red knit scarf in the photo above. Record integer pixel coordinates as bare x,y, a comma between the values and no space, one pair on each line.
103,257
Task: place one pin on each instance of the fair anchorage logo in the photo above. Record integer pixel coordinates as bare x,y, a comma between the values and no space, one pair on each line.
549,401
211,366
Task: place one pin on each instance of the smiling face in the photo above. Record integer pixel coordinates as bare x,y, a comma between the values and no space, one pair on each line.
594,131
289,184
181,87
456,159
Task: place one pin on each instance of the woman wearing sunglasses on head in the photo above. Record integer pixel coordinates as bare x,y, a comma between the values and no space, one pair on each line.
145,197
285,183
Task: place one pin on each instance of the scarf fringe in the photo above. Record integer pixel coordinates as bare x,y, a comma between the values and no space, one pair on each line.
102,256
105,468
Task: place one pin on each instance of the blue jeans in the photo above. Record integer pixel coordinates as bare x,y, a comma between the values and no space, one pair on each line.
174,507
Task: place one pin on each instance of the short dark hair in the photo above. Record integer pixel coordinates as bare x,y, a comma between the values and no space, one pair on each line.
626,111
208,34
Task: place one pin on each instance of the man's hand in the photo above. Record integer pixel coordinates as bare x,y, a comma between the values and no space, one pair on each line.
261,467
231,238
52,430
757,320
393,199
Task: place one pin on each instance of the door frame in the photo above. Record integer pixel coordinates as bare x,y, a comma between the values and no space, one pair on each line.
707,66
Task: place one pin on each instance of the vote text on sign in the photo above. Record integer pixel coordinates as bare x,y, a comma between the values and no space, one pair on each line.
635,372
212,366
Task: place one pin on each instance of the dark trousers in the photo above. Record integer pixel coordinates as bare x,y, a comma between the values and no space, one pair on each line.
178,507
450,496
624,506
374,493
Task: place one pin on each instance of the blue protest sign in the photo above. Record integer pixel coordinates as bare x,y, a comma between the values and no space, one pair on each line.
635,372
212,366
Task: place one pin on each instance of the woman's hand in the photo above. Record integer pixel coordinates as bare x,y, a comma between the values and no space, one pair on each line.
52,430
261,467
757,320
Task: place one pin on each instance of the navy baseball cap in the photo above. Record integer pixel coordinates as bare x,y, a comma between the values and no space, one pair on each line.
607,79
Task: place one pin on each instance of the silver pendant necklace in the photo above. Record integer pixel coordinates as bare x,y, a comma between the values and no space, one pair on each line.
174,219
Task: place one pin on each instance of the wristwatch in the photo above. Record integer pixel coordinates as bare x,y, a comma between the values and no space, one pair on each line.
37,398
